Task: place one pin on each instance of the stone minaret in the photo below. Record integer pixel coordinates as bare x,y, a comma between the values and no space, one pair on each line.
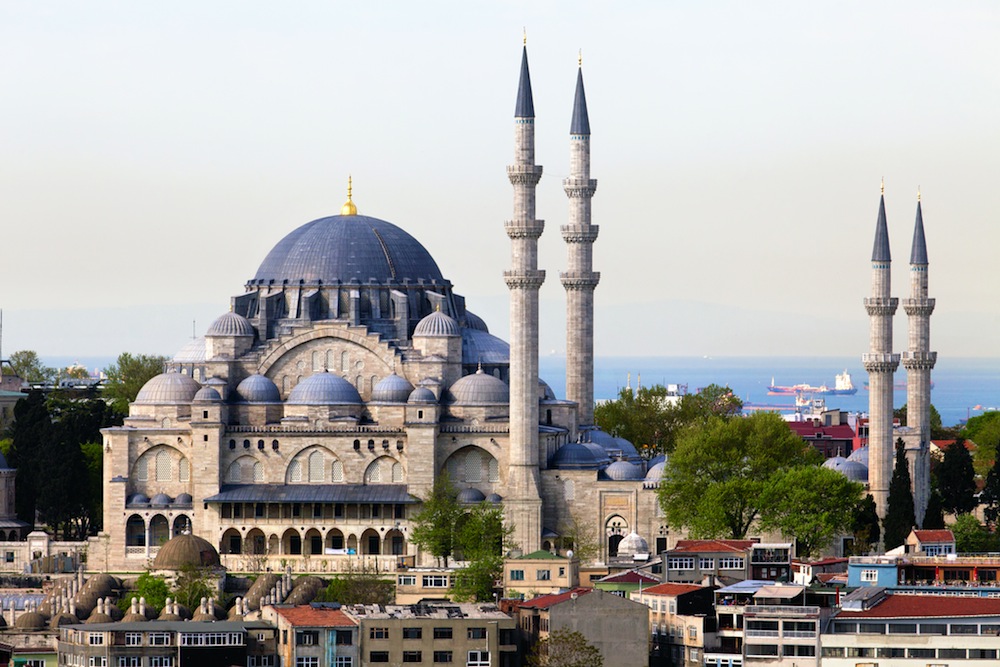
579,279
881,365
523,503
918,361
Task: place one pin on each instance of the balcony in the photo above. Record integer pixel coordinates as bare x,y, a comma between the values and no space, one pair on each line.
782,611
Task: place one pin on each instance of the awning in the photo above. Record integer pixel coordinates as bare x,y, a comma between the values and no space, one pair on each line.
313,493
782,592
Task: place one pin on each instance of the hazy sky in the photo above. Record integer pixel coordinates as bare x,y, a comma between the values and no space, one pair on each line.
152,153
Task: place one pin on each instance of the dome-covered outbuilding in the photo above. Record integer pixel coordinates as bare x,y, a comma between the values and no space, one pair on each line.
478,389
168,388
186,550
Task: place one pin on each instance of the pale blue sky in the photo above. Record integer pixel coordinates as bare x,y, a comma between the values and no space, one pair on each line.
152,153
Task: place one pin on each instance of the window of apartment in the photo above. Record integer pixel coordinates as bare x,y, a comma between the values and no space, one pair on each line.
543,575
982,654
902,628
869,575
692,633
9,558
412,633
412,656
706,563
344,661
442,633
159,639
732,563
842,628
378,633
306,661
798,650
956,653
442,656
933,629
133,639
95,638
681,563
872,628
833,651
672,606
129,661
694,655
34,662
891,652
435,581
306,637
406,580
98,661
988,629
920,653
762,650
161,661
860,652
477,633
562,572
517,575
345,638
963,629
378,656
478,659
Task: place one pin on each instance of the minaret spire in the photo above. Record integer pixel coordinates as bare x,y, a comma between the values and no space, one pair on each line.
881,365
918,361
579,279
523,504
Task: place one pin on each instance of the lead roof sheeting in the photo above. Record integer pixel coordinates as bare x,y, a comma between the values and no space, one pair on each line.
312,493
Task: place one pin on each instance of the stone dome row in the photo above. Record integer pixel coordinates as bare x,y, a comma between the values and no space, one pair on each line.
327,388
854,467
436,324
160,500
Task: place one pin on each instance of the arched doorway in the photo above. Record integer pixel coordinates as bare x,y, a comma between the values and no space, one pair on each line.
255,542
291,543
615,529
232,542
273,544
313,542
370,543
394,544
182,524
352,544
335,539
159,530
135,531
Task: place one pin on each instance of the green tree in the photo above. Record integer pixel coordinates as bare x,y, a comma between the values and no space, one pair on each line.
565,648
938,430
27,365
482,539
193,584
956,479
813,503
991,494
358,586
714,483
154,589
934,514
984,430
128,374
579,537
30,435
972,536
434,524
899,516
865,526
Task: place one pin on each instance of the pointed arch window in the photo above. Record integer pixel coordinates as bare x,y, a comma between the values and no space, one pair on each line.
184,470
473,466
373,475
493,470
397,473
142,469
258,472
235,473
337,474
162,466
316,467
294,472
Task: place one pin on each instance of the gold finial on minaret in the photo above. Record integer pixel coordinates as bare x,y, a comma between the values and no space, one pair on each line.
883,185
349,208
525,30
579,58
918,193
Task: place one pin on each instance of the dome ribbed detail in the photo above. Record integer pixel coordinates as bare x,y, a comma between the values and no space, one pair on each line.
168,388
471,496
633,544
324,389
207,395
655,473
860,455
473,321
623,471
231,324
258,389
573,456
392,389
437,324
477,389
184,551
422,395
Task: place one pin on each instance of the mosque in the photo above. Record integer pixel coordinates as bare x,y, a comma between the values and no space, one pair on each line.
308,421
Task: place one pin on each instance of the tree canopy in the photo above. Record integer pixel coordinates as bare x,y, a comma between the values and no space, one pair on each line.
900,515
716,480
482,539
938,430
984,430
27,365
434,524
956,479
128,374
362,585
972,536
865,526
565,648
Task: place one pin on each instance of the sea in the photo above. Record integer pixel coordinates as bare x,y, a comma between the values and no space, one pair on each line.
963,387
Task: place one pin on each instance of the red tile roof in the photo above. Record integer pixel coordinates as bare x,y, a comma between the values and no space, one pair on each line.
934,535
809,430
315,617
899,605
628,577
707,546
671,589
546,601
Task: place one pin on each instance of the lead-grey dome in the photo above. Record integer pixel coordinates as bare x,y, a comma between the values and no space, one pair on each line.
633,544
494,498
835,463
477,389
437,324
574,456
655,472
168,388
422,395
258,389
324,389
860,455
623,471
482,347
855,471
545,392
207,395
339,249
471,496
160,500
473,321
392,389
231,324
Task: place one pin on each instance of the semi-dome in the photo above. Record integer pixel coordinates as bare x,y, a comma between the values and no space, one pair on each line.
207,395
168,388
633,544
471,496
339,249
231,324
473,321
186,550
422,395
477,389
324,389
860,455
258,389
482,347
574,456
623,471
392,389
437,324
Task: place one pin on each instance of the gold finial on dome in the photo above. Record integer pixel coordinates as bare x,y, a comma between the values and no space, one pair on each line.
883,185
525,30
918,193
579,58
349,208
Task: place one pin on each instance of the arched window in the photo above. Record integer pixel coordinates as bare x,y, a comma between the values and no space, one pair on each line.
331,361
373,475
162,466
317,360
453,469
473,466
493,470
258,472
142,469
397,473
569,490
184,470
294,472
344,361
359,384
316,467
338,472
284,385
374,381
235,473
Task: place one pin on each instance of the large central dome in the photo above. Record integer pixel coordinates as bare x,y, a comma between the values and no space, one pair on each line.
342,248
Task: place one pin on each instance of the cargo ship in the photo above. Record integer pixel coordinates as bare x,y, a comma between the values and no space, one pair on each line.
842,387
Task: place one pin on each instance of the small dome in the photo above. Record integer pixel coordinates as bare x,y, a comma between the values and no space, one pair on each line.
98,617
473,321
599,453
545,392
599,437
422,395
477,389
855,471
31,620
259,588
169,615
481,347
659,458
139,499
392,389
168,388
437,324
61,619
258,389
632,544
655,473
231,324
160,500
471,496
860,455
574,456
184,551
134,617
101,584
207,395
324,389
623,471
835,463
627,449
183,499
494,498
194,351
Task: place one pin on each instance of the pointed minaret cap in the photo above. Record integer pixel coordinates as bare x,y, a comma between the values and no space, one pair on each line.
880,253
918,255
581,121
525,107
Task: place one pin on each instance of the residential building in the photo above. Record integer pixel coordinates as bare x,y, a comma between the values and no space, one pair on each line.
414,584
931,542
681,621
316,635
539,573
727,561
828,435
623,583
